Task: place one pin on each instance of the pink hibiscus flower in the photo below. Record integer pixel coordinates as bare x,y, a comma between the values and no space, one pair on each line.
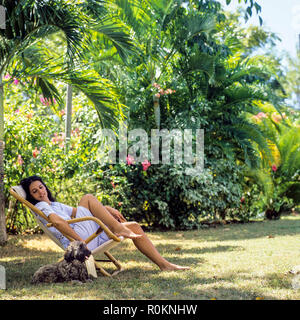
35,152
20,160
146,164
130,160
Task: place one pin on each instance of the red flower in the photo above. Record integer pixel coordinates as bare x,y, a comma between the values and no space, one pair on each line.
113,185
274,168
261,115
242,199
146,164
20,160
47,101
29,115
35,152
62,112
130,160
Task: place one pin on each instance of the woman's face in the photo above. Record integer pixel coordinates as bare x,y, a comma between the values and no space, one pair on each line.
38,191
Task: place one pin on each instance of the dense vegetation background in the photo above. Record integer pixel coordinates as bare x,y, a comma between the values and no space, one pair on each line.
157,64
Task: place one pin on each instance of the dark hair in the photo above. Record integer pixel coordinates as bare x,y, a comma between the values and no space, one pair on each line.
25,183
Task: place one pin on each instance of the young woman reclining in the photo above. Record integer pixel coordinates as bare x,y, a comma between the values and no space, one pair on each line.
38,194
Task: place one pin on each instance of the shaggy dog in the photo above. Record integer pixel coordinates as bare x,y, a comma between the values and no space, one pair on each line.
71,268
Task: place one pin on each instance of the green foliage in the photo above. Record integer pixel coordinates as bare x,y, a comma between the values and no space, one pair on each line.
179,202
278,179
55,34
173,66
35,144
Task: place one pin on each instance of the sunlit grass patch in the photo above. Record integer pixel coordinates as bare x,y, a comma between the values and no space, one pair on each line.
241,261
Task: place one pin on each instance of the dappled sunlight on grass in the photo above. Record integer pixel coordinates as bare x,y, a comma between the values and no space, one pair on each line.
41,244
247,261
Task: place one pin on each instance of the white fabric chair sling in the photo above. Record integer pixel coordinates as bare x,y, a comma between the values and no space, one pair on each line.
19,193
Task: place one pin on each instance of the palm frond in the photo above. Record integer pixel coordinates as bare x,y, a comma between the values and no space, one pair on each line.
29,20
103,95
245,134
113,33
238,94
198,24
98,90
293,192
289,148
134,13
163,7
200,62
263,179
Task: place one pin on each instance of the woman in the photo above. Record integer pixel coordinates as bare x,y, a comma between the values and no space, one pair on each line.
38,194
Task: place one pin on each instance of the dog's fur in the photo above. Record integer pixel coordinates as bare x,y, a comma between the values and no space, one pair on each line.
71,268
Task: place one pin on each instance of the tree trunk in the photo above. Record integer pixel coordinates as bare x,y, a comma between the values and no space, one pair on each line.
156,111
3,235
68,117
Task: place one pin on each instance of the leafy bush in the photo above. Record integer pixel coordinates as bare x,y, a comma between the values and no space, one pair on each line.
277,179
35,145
163,196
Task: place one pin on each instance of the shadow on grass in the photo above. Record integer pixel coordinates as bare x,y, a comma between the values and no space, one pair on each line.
278,280
260,229
138,284
188,285
143,280
192,255
21,261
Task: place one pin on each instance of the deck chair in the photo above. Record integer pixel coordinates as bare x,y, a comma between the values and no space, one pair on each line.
92,263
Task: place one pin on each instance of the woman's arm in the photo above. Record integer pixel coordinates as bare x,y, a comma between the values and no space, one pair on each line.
61,225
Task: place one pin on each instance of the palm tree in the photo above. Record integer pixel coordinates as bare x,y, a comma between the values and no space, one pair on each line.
174,43
29,21
161,30
240,87
279,178
26,21
68,116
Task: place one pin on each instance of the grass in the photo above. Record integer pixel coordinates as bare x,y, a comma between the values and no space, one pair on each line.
238,261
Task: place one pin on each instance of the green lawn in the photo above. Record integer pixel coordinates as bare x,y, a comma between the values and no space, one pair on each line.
238,261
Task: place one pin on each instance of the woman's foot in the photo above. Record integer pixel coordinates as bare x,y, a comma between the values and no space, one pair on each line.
127,233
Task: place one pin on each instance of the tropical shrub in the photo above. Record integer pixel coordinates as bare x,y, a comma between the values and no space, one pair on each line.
278,178
35,144
188,72
163,196
191,73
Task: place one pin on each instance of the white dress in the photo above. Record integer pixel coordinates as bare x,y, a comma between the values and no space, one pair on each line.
84,229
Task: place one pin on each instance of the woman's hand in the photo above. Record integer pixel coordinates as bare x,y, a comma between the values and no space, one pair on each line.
62,225
116,214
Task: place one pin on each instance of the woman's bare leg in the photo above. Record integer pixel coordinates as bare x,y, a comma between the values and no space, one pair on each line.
99,211
130,230
145,246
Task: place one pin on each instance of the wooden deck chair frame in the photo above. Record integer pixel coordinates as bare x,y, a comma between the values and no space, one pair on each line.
18,193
